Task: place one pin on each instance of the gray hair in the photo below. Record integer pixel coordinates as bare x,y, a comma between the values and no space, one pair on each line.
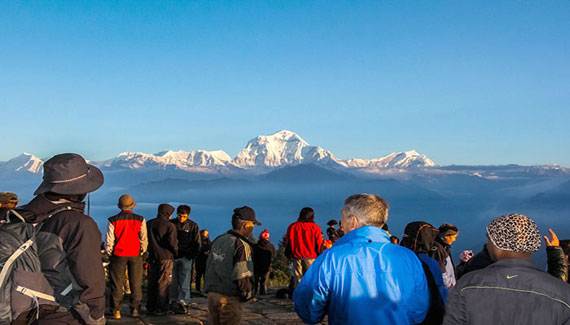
369,209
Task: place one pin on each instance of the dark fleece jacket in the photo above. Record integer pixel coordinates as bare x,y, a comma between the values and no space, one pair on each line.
263,251
162,237
189,240
69,248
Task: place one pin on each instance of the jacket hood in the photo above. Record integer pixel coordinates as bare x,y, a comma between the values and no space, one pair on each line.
165,211
264,243
40,208
419,236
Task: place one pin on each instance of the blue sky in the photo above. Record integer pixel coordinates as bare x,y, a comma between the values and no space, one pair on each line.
464,82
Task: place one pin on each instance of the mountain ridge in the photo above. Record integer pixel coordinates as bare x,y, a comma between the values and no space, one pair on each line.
284,148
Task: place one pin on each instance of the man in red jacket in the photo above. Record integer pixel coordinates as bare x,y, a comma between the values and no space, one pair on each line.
304,240
126,243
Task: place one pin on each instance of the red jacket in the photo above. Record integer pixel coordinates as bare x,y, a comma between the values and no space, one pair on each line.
126,235
305,239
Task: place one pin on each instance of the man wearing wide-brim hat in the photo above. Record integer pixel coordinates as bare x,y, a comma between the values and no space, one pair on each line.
68,240
126,241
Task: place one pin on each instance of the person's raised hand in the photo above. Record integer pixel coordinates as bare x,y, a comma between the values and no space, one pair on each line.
552,242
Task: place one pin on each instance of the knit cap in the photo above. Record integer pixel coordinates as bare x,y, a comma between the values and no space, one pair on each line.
515,233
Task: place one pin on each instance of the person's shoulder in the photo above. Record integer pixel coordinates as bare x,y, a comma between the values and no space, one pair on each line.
152,222
113,218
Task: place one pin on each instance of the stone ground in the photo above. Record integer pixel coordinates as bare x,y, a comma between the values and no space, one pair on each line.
262,310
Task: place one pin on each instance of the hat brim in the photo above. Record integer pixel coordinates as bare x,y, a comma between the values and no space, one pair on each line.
87,184
255,221
128,207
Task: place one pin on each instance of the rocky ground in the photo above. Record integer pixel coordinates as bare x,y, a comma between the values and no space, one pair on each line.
266,309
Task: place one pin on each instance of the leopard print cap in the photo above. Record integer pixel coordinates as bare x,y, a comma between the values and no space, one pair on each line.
514,232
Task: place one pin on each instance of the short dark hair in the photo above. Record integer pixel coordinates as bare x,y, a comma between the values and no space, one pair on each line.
183,209
306,215
237,223
448,229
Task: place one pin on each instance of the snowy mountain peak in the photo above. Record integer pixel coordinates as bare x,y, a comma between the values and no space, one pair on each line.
280,149
24,163
178,159
397,160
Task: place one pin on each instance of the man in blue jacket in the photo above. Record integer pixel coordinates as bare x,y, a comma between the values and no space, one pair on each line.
363,278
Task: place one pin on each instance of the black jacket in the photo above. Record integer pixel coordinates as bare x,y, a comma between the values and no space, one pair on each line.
479,261
557,262
202,258
510,291
162,239
189,240
69,245
263,252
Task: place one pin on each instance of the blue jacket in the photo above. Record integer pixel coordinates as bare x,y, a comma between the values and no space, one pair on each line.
364,279
436,273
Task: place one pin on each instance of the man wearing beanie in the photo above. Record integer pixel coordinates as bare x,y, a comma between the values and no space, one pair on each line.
263,252
126,242
511,290
163,246
229,270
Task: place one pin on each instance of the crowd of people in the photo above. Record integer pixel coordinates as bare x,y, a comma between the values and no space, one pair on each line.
357,273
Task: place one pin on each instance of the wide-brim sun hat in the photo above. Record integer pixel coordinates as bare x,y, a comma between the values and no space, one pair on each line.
69,174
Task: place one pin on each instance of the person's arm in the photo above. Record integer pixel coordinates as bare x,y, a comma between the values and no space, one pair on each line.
242,274
143,237
557,262
319,239
172,238
81,242
196,242
449,274
110,239
312,295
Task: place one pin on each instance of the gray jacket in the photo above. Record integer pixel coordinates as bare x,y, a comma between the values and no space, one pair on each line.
510,291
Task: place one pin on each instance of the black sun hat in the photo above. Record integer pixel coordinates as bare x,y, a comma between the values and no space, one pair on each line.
69,173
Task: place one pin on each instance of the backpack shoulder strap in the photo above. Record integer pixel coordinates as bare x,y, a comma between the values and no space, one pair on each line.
7,266
16,214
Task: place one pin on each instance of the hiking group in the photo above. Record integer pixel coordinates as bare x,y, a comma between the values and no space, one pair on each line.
52,272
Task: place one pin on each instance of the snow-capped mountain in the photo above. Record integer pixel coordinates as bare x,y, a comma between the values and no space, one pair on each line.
284,148
398,160
177,159
23,164
266,153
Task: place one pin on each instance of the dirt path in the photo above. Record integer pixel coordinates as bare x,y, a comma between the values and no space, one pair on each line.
262,310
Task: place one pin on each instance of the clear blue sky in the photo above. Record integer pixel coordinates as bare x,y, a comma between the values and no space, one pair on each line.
464,82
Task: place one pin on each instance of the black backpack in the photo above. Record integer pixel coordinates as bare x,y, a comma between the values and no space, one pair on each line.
24,290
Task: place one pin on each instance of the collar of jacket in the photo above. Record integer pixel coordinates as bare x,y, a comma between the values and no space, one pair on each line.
240,236
365,234
511,262
42,208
